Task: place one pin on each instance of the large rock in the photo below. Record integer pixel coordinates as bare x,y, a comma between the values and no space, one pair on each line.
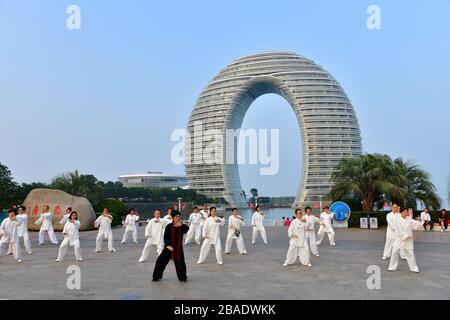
58,201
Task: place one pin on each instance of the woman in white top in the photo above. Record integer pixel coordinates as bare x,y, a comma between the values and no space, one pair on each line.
46,222
22,228
103,223
131,226
65,217
71,238
298,242
235,222
211,236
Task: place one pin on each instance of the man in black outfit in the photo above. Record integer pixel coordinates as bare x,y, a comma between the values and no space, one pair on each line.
173,249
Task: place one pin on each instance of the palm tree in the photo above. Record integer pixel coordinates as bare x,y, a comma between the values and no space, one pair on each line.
78,185
367,178
417,185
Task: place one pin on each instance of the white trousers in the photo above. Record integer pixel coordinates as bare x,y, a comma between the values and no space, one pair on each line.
51,235
321,233
194,233
63,250
255,234
311,239
148,247
388,249
206,247
15,249
239,243
125,235
99,240
409,256
26,243
296,251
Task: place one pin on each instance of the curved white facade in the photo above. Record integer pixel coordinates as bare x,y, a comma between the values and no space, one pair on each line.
153,180
328,124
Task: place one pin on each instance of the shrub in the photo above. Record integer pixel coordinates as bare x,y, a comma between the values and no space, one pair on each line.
116,208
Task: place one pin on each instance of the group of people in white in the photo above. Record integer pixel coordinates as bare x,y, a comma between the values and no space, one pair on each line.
205,225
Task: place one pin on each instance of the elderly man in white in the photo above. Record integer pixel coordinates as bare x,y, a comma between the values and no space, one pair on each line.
154,233
258,225
326,226
404,240
234,232
103,223
46,222
211,236
195,228
71,237
426,218
10,235
391,218
298,242
131,222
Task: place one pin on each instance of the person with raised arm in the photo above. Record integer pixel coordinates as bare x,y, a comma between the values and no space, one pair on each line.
71,238
258,225
235,222
298,241
103,223
46,222
131,222
211,236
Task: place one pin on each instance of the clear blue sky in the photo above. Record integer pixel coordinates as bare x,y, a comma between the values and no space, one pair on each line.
106,98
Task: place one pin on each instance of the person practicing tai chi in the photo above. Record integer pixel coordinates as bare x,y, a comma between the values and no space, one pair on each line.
211,236
22,228
311,221
404,240
326,226
66,216
195,228
234,232
391,217
131,222
103,223
154,234
258,225
46,222
71,238
173,249
205,214
10,235
298,242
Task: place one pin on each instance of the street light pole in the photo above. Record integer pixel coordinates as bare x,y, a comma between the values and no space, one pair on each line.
179,204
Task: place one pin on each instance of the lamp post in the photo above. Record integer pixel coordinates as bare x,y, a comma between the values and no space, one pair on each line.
256,201
179,204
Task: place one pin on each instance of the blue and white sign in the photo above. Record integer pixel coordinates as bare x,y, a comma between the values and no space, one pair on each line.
341,211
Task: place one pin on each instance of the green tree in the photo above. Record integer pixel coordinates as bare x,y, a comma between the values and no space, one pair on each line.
254,192
366,177
78,185
416,184
8,188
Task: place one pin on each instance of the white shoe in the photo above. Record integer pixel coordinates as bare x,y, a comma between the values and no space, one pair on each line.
19,260
317,256
136,242
415,271
199,262
113,251
219,262
140,261
245,252
79,260
333,244
8,253
97,251
122,242
309,265
30,252
57,260
253,243
384,258
285,265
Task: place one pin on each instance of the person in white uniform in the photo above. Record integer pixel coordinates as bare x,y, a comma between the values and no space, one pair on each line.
404,240
311,221
258,225
205,214
22,228
195,228
326,226
71,238
390,232
103,223
10,235
298,242
46,222
426,218
235,222
154,232
66,216
131,222
211,236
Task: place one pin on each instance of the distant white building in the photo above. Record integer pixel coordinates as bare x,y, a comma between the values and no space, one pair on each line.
154,180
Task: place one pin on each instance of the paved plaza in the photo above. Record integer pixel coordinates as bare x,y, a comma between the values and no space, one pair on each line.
340,273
